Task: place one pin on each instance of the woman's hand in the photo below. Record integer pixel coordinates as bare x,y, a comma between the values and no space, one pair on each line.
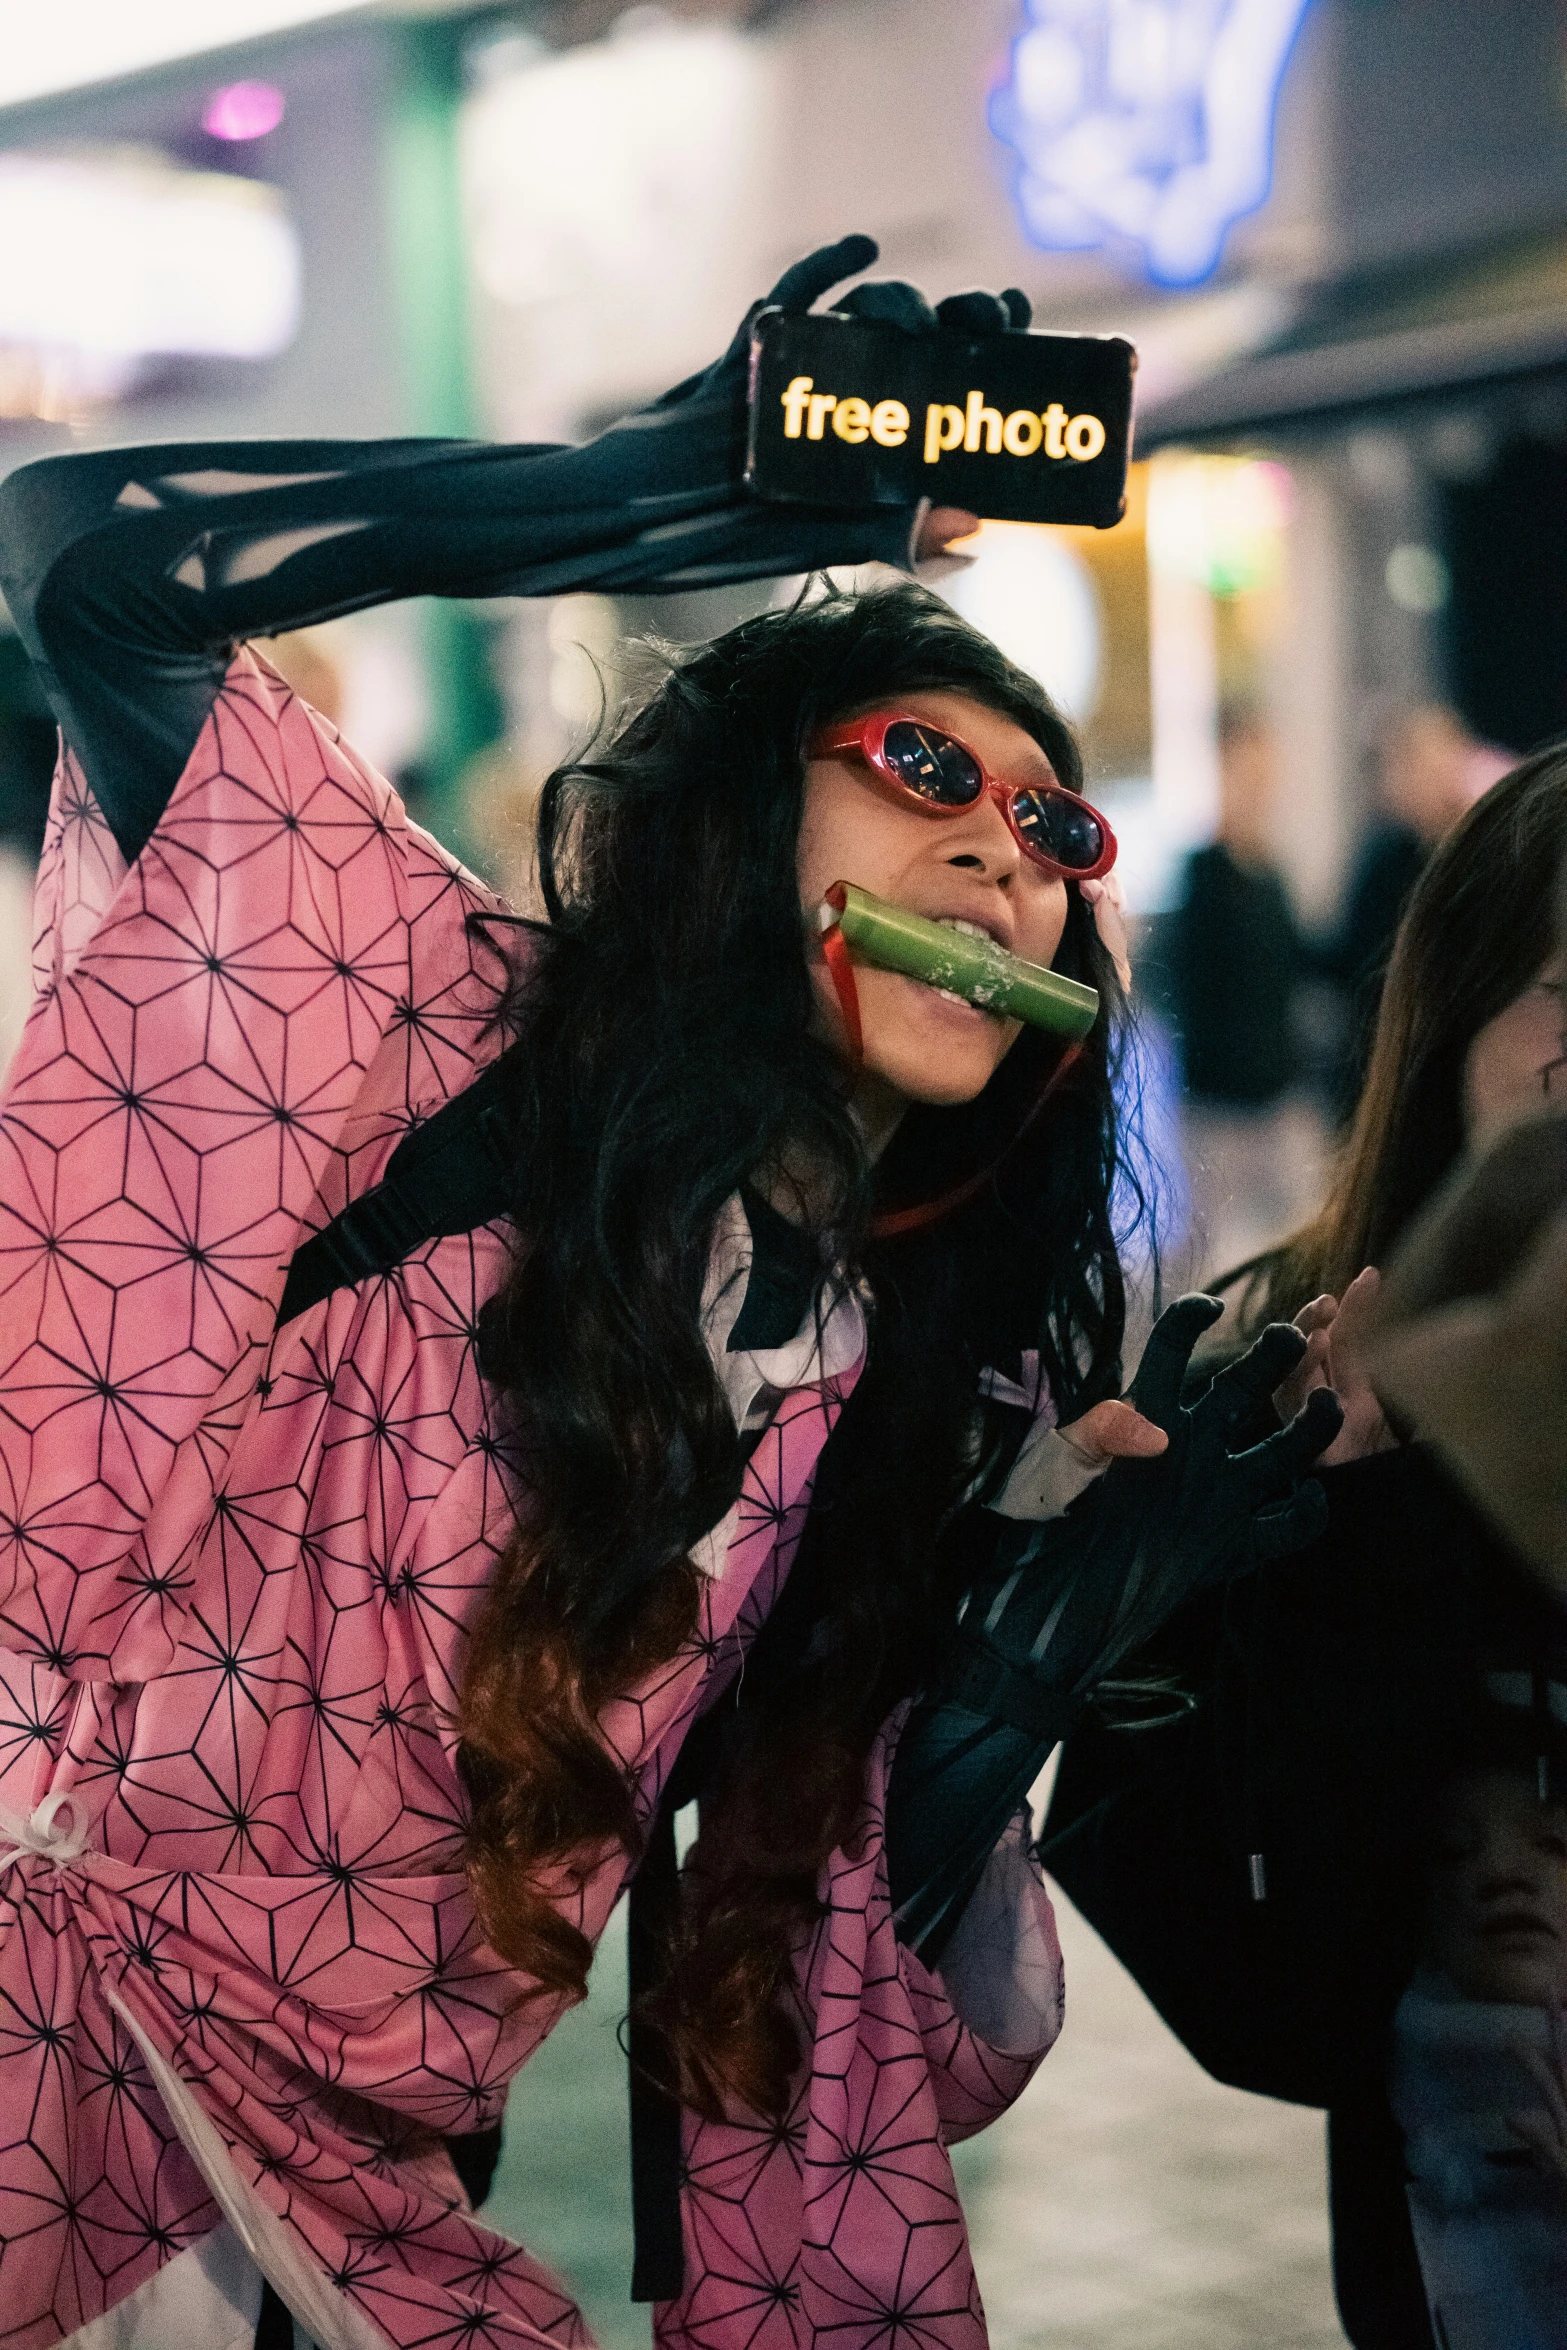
1334,1330
1115,1431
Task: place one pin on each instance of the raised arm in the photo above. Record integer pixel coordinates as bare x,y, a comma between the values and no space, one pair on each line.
132,573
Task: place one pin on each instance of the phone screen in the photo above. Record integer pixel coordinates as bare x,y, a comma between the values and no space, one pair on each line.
1016,427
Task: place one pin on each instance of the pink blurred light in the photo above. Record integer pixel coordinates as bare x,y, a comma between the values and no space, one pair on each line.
244,110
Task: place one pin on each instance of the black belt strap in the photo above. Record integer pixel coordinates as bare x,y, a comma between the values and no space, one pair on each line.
986,1684
658,2257
658,2260
450,1175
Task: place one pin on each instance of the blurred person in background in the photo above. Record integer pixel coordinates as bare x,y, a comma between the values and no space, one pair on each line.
442,1363
1258,1862
1430,769
1479,2064
1234,965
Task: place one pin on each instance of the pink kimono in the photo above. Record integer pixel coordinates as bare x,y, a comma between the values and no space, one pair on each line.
241,1982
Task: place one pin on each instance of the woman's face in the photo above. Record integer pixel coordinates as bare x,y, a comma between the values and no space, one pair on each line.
921,1045
1518,1062
1499,1892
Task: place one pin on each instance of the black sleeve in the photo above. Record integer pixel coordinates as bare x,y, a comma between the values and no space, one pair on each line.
131,574
1290,1997
1376,2269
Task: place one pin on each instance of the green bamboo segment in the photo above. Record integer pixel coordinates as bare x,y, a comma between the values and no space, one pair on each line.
977,969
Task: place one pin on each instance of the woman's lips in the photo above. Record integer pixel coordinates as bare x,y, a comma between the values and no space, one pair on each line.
972,922
955,1006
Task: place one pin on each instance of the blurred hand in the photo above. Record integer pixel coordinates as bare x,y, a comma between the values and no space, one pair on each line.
1481,1225
940,527
1108,900
1335,1331
1469,1336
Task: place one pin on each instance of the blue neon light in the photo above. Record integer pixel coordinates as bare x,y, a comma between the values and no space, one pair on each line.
1148,121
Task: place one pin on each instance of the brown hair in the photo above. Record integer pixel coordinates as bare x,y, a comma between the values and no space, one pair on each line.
1479,926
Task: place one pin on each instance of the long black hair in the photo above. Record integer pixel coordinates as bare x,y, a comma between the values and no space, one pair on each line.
1478,929
667,1015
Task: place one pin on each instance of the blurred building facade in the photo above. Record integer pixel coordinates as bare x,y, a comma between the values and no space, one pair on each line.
519,220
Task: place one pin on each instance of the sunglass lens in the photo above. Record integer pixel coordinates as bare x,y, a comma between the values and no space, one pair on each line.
932,764
1061,828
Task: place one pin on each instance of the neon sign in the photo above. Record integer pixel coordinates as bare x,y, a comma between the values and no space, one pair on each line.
1145,121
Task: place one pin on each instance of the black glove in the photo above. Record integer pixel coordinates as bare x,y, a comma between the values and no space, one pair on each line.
894,303
802,283
1065,1602
722,388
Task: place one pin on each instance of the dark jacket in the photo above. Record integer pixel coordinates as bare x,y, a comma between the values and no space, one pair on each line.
1234,963
1334,1687
1390,862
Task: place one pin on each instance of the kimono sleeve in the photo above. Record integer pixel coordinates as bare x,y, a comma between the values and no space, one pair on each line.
206,1024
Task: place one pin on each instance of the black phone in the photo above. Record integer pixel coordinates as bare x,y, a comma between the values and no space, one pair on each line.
1016,427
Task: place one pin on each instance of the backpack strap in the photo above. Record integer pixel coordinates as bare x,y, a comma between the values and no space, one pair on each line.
451,1174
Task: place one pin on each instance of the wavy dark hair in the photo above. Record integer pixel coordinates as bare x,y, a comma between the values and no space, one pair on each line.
667,1016
1478,928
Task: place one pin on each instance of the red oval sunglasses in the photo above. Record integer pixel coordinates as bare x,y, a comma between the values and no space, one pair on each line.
932,770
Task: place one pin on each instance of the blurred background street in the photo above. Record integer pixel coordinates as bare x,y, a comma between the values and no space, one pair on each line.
1336,231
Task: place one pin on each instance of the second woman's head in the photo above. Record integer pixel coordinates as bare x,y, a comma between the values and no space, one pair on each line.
1470,1031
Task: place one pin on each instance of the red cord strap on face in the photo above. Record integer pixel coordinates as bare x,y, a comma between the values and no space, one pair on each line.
840,970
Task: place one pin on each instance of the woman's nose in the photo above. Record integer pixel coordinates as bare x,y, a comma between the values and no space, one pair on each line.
987,843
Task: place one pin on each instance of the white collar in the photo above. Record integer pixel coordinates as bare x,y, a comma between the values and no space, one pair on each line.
829,1340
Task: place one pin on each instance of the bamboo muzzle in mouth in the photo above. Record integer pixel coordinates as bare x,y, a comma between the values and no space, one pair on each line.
976,969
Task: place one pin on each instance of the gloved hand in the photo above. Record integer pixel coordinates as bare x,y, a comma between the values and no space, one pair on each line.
803,283
894,303
709,410
888,302
1064,1602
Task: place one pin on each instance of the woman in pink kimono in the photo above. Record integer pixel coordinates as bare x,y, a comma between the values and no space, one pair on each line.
443,1365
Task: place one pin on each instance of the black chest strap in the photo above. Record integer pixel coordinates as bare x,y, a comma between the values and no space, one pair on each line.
450,1175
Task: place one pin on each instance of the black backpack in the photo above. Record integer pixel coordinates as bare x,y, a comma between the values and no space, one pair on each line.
446,1176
